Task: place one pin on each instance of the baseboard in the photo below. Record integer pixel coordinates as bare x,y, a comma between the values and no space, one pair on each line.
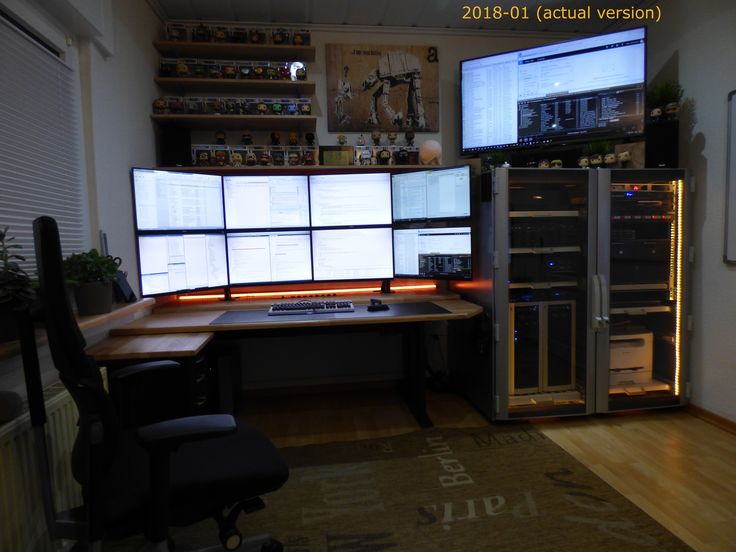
715,419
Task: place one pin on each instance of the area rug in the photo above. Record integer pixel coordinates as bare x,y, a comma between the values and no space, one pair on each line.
501,488
497,488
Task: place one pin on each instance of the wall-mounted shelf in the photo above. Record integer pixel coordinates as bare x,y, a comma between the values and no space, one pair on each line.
287,87
227,50
298,168
254,122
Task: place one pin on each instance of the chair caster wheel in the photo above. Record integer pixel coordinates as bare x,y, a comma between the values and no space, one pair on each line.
273,546
230,538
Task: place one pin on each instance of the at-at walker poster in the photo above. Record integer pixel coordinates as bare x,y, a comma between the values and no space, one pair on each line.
378,87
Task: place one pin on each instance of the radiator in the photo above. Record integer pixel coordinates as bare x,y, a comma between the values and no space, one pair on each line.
22,523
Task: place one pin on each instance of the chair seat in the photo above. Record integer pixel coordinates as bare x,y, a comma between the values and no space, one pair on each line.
204,476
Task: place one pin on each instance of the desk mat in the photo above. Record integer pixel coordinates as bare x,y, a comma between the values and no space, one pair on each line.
361,311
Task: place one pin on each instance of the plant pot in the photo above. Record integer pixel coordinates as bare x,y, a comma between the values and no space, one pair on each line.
93,298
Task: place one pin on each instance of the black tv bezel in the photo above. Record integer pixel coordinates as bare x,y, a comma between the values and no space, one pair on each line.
444,277
395,221
554,142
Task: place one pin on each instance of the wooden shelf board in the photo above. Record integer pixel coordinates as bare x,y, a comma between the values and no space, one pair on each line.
228,50
287,87
301,168
267,122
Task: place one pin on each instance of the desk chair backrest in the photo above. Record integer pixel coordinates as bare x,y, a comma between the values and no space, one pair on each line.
98,427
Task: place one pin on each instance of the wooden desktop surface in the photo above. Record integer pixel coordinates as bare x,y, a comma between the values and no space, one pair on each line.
190,321
138,347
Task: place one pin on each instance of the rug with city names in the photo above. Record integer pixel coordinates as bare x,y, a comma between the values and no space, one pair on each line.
497,488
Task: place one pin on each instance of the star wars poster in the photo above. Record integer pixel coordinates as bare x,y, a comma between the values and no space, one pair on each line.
377,87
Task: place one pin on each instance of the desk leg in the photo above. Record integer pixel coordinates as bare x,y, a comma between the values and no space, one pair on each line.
416,366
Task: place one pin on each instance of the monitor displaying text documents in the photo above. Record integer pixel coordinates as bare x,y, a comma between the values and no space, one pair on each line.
262,201
172,200
582,90
431,195
181,262
438,253
268,257
352,254
360,199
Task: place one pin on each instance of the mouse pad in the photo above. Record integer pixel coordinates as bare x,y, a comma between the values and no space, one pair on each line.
361,311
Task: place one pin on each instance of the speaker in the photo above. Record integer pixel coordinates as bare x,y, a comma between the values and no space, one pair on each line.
175,146
662,139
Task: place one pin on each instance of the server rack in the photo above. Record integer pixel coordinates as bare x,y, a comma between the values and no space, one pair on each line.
578,293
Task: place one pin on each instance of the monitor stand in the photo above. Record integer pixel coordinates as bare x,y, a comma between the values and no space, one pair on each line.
228,296
386,287
443,287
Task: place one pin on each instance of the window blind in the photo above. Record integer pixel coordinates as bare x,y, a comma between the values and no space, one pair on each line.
40,145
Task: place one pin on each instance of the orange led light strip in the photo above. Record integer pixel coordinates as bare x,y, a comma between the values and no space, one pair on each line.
304,292
678,288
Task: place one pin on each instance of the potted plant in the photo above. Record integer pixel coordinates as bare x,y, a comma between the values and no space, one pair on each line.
16,287
91,276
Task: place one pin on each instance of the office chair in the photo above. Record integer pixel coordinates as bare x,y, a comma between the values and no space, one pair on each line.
171,473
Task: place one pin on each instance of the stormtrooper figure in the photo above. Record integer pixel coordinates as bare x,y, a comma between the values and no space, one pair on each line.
397,68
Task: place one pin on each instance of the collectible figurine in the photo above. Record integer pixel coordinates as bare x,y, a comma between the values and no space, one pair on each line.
159,106
247,138
284,73
300,38
264,158
409,136
556,163
624,157
365,156
384,157
305,108
360,141
272,73
543,164
609,159
219,35
402,157
671,110
261,108
293,158
342,139
229,72
177,105
203,158
391,138
182,69
236,158
259,72
275,139
220,137
220,158
655,113
246,71
596,160
176,34
308,157
250,159
293,138
301,73
214,71
376,137
583,162
280,36
277,156
292,109
201,33
277,108
309,137
257,36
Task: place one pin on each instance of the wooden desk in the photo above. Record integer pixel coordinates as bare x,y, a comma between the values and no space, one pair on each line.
411,326
146,347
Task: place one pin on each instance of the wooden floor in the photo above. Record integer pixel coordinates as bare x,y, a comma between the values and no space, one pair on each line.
679,469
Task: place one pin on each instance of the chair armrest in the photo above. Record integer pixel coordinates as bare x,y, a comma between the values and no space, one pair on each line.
172,433
143,367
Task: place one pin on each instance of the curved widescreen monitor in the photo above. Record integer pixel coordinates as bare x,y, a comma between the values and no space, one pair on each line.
262,201
359,199
181,262
582,90
173,200
437,253
268,257
431,195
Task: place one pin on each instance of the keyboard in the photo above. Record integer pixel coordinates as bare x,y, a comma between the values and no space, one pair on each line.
311,307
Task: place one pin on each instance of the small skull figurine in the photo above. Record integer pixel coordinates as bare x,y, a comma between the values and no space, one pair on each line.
342,139
376,137
391,138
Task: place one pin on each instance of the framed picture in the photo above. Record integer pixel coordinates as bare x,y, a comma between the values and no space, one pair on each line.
336,155
380,87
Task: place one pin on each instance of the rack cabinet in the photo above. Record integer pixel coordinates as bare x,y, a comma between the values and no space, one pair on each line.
583,274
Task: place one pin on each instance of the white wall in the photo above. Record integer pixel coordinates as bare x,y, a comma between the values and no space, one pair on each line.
695,44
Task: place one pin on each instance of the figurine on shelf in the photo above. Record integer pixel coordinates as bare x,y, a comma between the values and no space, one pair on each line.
280,36
624,157
305,108
293,158
275,139
259,72
556,163
220,158
250,159
365,156
308,157
201,33
219,34
220,137
409,136
384,157
342,139
265,158
293,138
262,108
182,69
360,141
609,159
159,106
247,139
596,160
543,164
203,158
277,157
376,137
391,138
257,36
301,73
402,157
229,72
309,137
236,159
272,73
277,108
583,162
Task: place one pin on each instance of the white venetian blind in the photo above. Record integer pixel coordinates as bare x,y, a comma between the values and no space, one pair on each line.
40,151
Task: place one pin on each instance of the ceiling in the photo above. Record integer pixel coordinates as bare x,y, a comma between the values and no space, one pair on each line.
437,14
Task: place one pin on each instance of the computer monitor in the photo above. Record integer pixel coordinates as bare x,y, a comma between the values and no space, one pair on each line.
583,90
352,254
437,253
181,262
262,201
172,200
269,257
431,195
360,199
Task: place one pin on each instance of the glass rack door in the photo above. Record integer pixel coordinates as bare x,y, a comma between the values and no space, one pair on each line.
543,361
641,283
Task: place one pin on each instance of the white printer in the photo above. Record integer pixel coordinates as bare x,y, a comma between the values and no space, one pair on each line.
631,359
